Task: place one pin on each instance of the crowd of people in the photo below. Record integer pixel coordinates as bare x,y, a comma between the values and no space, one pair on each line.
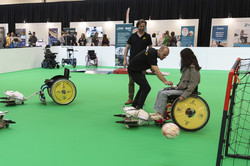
165,40
11,40
67,39
70,39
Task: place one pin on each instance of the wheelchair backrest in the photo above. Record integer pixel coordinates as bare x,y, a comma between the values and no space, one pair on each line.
92,54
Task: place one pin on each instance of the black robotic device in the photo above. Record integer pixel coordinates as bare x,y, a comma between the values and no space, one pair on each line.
49,61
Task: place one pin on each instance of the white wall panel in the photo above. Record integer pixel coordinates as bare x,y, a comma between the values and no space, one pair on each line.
16,59
215,58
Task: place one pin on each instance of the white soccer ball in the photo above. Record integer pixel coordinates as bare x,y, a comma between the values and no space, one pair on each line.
170,130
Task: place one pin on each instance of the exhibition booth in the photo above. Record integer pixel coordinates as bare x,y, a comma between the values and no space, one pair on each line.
230,32
44,31
105,27
185,29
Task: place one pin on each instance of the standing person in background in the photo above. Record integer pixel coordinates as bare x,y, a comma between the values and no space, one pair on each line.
82,41
68,39
161,40
172,40
95,40
165,42
12,35
16,40
138,42
105,40
74,39
8,42
62,39
154,40
33,40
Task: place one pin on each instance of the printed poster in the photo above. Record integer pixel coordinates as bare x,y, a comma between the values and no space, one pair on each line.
53,35
219,36
187,36
2,33
22,34
242,34
122,34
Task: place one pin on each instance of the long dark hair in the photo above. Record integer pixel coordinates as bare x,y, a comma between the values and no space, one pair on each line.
105,38
188,58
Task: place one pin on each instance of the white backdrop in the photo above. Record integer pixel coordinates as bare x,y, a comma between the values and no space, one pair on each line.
6,28
41,29
232,24
108,28
160,26
210,58
16,59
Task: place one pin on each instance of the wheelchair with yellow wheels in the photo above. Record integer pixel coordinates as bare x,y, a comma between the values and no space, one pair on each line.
190,114
60,89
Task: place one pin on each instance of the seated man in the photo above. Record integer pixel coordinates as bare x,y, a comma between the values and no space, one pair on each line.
190,79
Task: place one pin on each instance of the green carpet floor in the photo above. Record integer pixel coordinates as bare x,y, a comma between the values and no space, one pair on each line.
84,133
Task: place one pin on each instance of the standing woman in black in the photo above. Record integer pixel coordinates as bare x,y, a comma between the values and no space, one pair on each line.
82,41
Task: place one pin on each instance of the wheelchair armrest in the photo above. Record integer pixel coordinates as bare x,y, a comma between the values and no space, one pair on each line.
196,93
172,98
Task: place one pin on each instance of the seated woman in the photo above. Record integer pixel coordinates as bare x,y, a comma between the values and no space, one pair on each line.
190,79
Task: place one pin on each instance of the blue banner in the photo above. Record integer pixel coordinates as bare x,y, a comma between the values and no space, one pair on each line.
122,34
53,35
219,33
187,36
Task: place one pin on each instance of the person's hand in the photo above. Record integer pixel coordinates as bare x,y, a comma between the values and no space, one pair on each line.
125,63
168,83
181,98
